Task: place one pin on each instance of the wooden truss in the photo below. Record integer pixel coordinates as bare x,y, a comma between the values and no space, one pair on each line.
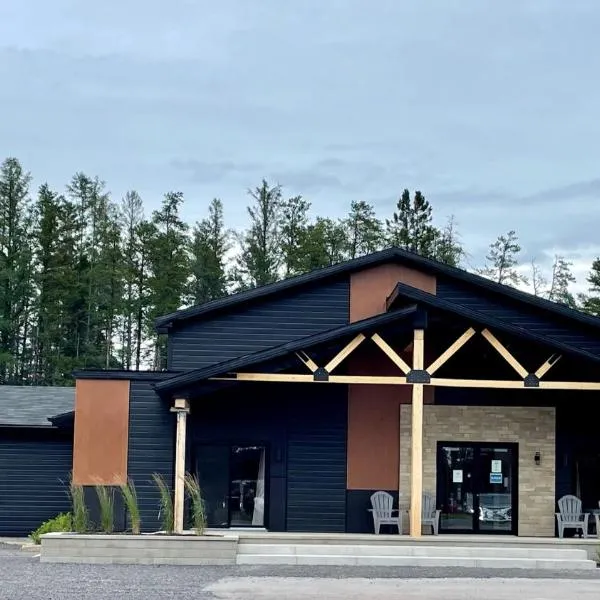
417,374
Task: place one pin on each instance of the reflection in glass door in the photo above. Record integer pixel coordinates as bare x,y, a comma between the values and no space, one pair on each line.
232,479
477,487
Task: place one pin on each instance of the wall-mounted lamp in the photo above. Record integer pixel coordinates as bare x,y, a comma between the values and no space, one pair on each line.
537,458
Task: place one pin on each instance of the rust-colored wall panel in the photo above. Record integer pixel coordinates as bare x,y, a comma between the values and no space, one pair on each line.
101,432
370,288
373,430
374,421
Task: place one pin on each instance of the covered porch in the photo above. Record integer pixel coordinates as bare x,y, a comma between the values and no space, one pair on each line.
461,384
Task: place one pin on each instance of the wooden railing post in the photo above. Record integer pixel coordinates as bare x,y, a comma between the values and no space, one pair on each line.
416,477
181,407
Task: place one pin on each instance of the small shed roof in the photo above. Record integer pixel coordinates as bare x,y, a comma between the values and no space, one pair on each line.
34,405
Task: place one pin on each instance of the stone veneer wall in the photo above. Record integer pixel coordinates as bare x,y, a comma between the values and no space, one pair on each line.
533,428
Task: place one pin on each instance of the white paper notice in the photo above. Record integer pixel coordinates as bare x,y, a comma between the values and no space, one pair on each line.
457,476
496,466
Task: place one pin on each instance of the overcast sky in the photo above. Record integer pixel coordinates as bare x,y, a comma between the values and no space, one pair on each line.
490,108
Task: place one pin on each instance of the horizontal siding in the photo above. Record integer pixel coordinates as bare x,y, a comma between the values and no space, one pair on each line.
34,480
536,320
151,448
258,326
316,477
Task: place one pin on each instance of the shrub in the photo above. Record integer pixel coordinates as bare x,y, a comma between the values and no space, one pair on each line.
131,502
165,514
79,511
106,503
61,522
192,487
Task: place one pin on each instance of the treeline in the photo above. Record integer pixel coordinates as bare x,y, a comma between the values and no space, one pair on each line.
83,276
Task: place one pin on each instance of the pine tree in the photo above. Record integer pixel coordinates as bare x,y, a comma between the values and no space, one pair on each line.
411,227
591,302
364,230
294,226
538,281
15,270
562,277
324,244
260,257
92,207
131,215
502,261
210,244
447,246
168,260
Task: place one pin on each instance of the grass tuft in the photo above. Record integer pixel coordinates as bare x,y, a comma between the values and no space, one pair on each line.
130,498
165,513
192,486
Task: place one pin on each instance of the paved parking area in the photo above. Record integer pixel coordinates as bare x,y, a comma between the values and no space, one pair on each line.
22,576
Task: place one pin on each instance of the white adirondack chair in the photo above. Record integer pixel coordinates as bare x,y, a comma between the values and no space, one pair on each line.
570,515
430,516
383,513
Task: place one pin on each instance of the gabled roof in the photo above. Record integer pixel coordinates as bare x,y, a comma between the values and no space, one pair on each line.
403,292
404,257
34,405
189,378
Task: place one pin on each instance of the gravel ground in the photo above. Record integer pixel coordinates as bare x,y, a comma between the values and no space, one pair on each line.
22,577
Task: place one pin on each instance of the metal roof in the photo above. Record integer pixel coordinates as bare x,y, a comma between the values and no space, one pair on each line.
403,257
34,405
193,377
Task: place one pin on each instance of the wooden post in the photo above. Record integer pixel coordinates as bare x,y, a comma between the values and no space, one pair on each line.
416,475
181,408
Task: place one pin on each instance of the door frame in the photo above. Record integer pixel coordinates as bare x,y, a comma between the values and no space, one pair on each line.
240,444
478,473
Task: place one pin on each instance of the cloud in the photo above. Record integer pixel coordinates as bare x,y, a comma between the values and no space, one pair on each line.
209,172
572,191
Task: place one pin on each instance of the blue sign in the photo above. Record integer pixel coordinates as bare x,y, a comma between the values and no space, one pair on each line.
495,477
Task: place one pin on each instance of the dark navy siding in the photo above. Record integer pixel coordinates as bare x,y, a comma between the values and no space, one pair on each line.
34,478
305,429
510,311
259,325
151,447
316,486
229,418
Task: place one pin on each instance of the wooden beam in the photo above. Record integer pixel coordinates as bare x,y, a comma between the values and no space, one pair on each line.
181,408
570,385
419,350
416,468
390,380
504,353
451,351
478,383
391,353
294,378
547,365
344,352
307,361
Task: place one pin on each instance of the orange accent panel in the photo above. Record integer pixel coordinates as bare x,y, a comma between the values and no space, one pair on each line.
370,288
101,432
374,422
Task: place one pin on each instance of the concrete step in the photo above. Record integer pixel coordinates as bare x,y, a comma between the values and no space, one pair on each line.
417,555
412,550
415,561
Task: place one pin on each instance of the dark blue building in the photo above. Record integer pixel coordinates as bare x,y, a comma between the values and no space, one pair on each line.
294,402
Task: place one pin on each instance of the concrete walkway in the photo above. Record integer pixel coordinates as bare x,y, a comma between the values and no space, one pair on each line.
275,588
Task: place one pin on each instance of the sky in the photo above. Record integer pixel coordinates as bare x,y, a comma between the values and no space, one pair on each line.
489,108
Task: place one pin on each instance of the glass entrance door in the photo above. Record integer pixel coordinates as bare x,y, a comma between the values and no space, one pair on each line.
233,483
476,487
